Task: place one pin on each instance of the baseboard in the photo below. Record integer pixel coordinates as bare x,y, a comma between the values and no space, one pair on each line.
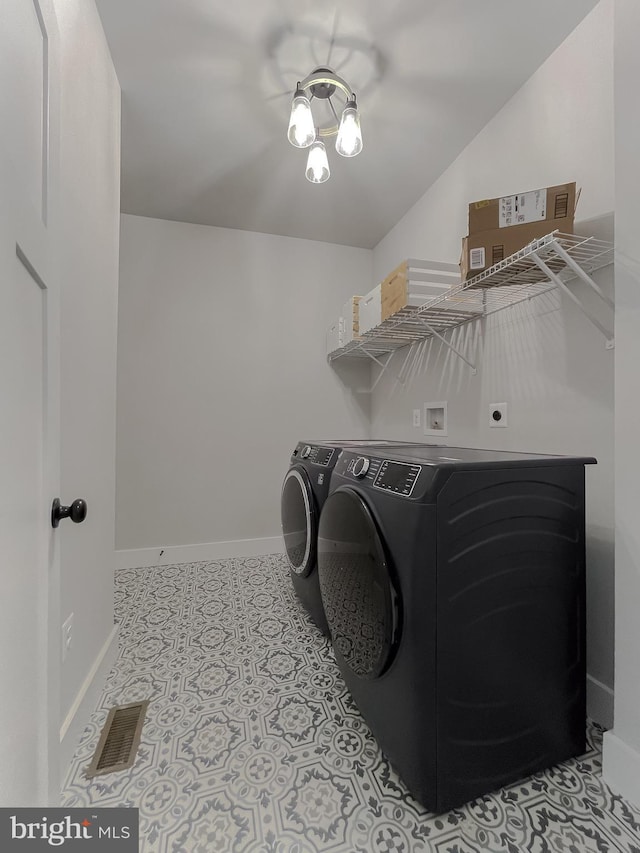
621,767
170,554
86,701
599,702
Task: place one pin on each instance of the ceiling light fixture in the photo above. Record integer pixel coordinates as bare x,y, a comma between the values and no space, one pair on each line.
304,132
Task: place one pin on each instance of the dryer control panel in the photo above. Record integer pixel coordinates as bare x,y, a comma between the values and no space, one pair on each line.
399,478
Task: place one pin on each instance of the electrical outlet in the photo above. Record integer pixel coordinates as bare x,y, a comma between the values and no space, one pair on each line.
498,415
416,417
67,636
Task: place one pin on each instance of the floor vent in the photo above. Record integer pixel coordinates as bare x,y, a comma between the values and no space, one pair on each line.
119,740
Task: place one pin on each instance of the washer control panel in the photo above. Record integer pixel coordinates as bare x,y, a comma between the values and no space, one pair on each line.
397,477
316,453
322,455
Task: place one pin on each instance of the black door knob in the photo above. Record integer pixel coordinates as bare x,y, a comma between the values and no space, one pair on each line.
76,512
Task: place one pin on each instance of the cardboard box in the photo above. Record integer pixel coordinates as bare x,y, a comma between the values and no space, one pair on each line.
335,336
550,205
370,310
498,227
410,285
350,319
483,250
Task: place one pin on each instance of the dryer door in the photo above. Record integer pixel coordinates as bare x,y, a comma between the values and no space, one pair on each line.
299,521
359,595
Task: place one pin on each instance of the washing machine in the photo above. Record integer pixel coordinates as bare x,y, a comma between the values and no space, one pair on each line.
453,583
304,491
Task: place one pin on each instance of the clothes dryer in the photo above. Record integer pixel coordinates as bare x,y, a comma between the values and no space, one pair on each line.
453,583
304,491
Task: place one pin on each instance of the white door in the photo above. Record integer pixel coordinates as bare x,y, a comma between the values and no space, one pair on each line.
29,418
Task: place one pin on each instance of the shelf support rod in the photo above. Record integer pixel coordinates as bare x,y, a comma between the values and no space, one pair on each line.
555,278
410,359
449,345
577,269
404,373
382,371
383,366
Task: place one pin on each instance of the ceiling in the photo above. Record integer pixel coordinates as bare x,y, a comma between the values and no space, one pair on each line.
206,94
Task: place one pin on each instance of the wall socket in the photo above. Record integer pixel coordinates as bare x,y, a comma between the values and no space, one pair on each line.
498,415
67,636
416,417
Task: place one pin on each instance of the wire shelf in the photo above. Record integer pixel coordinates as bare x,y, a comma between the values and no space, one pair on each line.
541,266
521,269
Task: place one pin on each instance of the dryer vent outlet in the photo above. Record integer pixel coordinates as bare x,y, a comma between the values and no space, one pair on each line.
498,415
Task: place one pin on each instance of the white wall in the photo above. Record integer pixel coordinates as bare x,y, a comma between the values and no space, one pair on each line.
90,177
557,128
542,357
622,746
221,369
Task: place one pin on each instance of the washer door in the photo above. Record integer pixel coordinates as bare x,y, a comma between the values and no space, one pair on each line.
360,599
299,521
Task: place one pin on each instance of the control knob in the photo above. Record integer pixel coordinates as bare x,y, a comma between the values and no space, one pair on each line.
306,451
360,467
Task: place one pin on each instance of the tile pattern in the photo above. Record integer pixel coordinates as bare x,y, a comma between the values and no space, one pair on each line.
253,745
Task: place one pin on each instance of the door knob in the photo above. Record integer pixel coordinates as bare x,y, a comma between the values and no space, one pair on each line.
76,512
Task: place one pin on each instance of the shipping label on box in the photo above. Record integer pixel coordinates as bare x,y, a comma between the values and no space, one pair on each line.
483,250
550,204
477,258
522,208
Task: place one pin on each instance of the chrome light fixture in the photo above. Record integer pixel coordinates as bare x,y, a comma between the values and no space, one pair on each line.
303,131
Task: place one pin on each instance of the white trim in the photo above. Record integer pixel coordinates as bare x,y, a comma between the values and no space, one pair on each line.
621,767
86,700
146,557
599,702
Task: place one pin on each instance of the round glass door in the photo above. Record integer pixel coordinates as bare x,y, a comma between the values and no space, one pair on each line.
359,597
299,523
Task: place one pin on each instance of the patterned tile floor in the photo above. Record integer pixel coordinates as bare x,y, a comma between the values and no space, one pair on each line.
252,745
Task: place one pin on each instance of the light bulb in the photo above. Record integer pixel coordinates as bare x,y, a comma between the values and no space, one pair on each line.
349,141
317,163
301,128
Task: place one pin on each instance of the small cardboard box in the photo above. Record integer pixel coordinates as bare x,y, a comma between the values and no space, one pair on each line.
350,317
483,250
409,286
370,310
335,336
550,204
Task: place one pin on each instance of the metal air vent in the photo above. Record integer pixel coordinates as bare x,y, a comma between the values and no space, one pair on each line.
119,740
